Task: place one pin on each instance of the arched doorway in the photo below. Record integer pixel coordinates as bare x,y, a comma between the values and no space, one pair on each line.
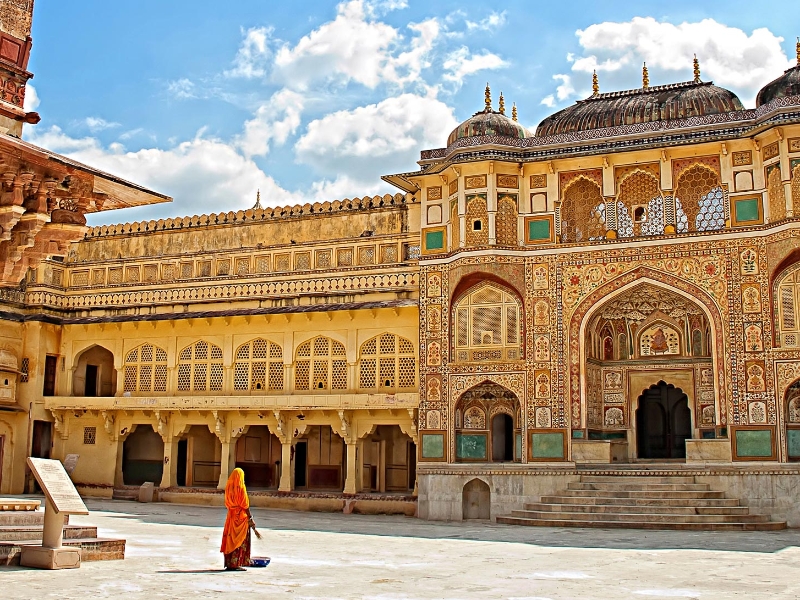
792,403
94,374
663,422
476,500
488,425
142,457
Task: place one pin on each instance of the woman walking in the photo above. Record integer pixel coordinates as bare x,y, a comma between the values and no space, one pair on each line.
236,534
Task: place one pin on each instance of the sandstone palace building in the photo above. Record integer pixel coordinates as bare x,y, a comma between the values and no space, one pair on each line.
616,291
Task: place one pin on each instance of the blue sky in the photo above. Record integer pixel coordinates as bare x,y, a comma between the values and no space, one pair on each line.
209,101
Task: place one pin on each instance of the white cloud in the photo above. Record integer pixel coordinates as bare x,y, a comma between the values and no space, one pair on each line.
728,55
355,47
369,141
344,186
273,122
494,21
253,56
181,89
31,99
462,63
203,175
549,101
95,124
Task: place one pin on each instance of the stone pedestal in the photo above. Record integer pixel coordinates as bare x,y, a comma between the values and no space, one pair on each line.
40,557
702,452
600,451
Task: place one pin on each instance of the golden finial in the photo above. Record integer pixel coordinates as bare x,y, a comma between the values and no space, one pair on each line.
514,111
487,96
645,77
257,205
696,69
502,106
595,84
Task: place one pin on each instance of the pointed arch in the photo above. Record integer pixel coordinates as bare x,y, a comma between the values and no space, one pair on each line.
200,367
320,364
506,220
387,362
640,207
699,199
583,211
146,369
258,365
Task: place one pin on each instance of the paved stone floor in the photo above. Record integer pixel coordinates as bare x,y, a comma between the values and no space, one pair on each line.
173,552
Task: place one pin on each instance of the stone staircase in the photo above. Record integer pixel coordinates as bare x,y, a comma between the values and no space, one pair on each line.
21,523
641,502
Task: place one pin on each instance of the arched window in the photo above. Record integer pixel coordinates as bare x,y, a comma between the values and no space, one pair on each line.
583,212
506,221
487,325
775,194
387,362
200,367
455,225
146,369
477,221
258,366
320,364
699,200
788,299
640,207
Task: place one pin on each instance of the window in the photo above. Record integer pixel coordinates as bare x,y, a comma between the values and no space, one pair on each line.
387,362
200,367
699,196
487,325
321,364
23,376
258,366
788,299
582,212
49,387
89,436
146,369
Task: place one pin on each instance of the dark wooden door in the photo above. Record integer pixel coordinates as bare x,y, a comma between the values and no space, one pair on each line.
502,438
300,458
49,388
663,422
91,381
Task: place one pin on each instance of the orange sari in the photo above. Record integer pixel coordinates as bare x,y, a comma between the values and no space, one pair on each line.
237,523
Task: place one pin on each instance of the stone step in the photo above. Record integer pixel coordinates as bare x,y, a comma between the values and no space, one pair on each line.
17,504
92,549
637,509
643,524
637,478
642,501
650,487
643,493
16,533
649,517
125,494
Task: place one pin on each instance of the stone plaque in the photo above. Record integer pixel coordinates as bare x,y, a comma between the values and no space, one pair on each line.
70,462
57,486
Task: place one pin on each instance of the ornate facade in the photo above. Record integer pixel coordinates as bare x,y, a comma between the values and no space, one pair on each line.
622,285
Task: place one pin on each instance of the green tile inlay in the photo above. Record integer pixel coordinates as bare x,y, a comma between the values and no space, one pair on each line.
746,210
753,443
433,445
547,445
471,446
793,441
539,229
434,240
517,446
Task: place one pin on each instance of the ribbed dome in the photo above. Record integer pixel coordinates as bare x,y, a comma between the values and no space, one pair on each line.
787,84
488,122
657,103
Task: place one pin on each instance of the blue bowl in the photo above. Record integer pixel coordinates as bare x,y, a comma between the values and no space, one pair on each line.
259,561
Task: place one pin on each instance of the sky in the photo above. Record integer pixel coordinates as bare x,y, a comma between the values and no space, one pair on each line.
308,101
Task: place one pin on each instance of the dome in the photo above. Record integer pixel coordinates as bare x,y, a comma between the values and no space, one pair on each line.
488,122
645,105
787,84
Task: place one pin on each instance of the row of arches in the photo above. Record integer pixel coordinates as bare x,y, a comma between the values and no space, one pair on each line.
386,362
641,209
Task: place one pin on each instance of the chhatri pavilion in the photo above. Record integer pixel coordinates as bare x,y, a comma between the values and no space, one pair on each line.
614,295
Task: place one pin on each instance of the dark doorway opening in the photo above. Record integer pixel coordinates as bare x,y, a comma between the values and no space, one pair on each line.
41,443
663,422
300,461
183,449
91,381
502,438
49,387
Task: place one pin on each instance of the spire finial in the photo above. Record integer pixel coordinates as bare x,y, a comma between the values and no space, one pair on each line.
595,84
487,97
514,111
502,106
645,77
696,69
257,205
797,49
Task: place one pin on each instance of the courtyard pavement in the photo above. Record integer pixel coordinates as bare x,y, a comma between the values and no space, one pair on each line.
173,552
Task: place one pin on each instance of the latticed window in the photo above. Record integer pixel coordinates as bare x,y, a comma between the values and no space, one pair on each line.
146,369
582,212
387,362
200,368
455,225
320,364
699,195
775,194
258,365
640,194
477,223
796,185
487,325
788,299
506,221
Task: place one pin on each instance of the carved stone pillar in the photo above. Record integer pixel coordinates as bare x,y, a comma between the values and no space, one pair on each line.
350,480
285,484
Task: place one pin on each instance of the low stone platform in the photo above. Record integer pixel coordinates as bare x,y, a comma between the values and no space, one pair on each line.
16,504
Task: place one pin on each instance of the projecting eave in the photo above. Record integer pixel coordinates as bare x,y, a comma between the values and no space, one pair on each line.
402,181
114,191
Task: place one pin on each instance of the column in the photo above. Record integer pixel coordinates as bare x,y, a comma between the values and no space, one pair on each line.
350,481
285,484
170,476
227,462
